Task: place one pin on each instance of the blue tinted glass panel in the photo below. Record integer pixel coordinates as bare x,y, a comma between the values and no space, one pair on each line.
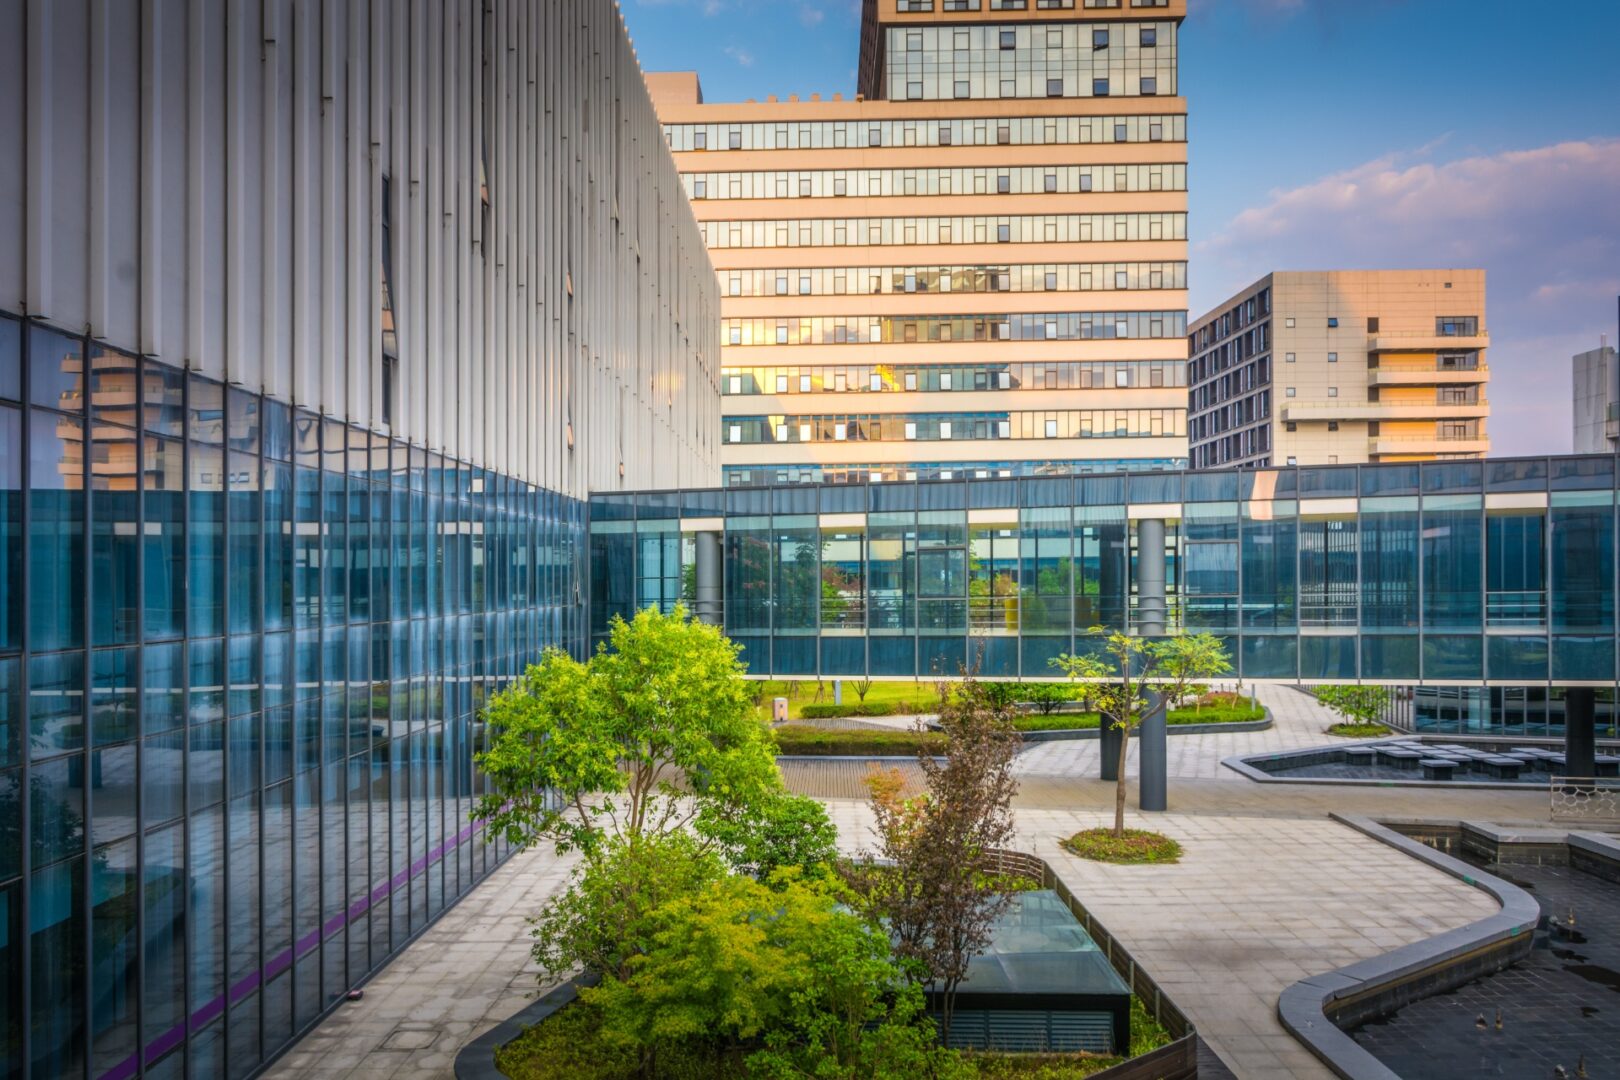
56,946
278,550
1583,658
114,695
56,801
1327,657
207,671
1038,654
10,362
945,657
56,370
1529,474
11,966
55,531
205,541
994,657
163,976
1389,479
113,787
163,396
894,655
115,907
843,655
1452,476
1269,553
164,687
55,703
163,786
163,537
1583,473
1453,548
1389,564
11,714
1453,656
1582,543
1265,657
115,550
1514,657
11,548
244,601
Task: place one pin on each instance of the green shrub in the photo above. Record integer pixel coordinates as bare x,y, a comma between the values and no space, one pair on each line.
1136,846
798,739
774,833
835,712
1063,722
1218,714
1046,697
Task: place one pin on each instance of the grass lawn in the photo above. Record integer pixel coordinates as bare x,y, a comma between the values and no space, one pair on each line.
1136,846
914,696
1206,714
1359,731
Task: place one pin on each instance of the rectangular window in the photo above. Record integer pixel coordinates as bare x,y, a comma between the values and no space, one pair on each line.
734,139
1099,87
1150,85
1333,323
734,384
1333,358
1333,391
1150,36
700,189
1051,429
1290,392
1003,134
911,429
781,384
1003,234
1009,40
1051,281
877,382
1054,87
944,380
736,433
944,429
1099,38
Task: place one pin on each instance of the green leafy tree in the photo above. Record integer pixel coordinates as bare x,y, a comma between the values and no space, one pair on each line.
647,736
783,977
929,885
774,833
1358,705
1126,668
1046,697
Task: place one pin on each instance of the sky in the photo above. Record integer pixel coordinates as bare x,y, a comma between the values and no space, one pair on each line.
1334,134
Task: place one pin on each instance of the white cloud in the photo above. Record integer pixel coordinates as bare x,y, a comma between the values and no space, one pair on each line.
811,16
741,55
1544,223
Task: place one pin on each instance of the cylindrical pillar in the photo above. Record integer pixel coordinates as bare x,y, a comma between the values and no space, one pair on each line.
1152,760
1108,747
1580,734
1150,609
706,604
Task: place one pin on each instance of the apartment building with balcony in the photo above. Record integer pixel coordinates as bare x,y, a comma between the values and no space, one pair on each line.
1341,367
976,267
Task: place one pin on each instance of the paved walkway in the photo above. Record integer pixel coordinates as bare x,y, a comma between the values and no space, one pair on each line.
465,974
1253,906
1269,891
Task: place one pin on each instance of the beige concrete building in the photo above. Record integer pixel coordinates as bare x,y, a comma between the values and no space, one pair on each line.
1341,366
977,267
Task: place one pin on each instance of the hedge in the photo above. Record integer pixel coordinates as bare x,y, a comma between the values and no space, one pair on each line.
834,712
798,739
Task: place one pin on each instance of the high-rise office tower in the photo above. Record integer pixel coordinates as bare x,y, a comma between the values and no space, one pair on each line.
1596,400
1341,367
977,267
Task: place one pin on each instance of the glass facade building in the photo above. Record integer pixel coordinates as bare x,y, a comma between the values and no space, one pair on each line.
1488,574
243,653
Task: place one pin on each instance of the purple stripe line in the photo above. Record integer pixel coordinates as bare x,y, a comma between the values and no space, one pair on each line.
283,960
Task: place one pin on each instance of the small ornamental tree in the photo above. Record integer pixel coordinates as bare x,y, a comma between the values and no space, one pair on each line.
1128,668
935,893
1359,706
645,738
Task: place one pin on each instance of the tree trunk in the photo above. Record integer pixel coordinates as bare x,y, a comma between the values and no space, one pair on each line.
1119,784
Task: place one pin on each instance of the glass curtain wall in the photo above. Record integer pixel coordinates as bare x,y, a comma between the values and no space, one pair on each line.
242,651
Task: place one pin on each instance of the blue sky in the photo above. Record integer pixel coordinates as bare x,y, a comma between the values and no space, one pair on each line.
1334,133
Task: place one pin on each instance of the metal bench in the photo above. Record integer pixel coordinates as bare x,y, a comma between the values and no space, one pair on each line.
1438,768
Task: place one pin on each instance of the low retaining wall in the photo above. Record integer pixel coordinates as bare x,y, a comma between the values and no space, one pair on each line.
1316,1009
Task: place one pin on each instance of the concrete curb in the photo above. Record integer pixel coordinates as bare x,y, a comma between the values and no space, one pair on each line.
1410,972
1240,763
1065,734
476,1060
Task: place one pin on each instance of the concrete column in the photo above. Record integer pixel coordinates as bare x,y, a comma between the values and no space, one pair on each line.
1108,748
707,605
1150,609
1153,758
1580,734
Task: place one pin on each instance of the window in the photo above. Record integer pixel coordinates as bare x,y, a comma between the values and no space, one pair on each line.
1085,182
1051,281
911,429
840,432
1333,425
840,384
1099,38
963,40
944,380
1150,85
700,140
781,433
1003,234
700,189
781,384
1290,426
1457,325
1333,391
735,138
1288,358
734,384
1122,279
962,91
1051,429
1289,322
1009,40
874,137
1290,391
944,135
1292,460
876,382
1054,87
914,41
840,186
1003,134
804,384
1156,132
1333,358
1332,322
911,380
1099,87
944,429
914,90
736,433
1051,183
1372,324
1121,133
1150,36
1003,184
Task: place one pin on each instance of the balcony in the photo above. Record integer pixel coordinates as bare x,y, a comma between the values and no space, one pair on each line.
1435,376
1321,411
1427,342
1427,444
